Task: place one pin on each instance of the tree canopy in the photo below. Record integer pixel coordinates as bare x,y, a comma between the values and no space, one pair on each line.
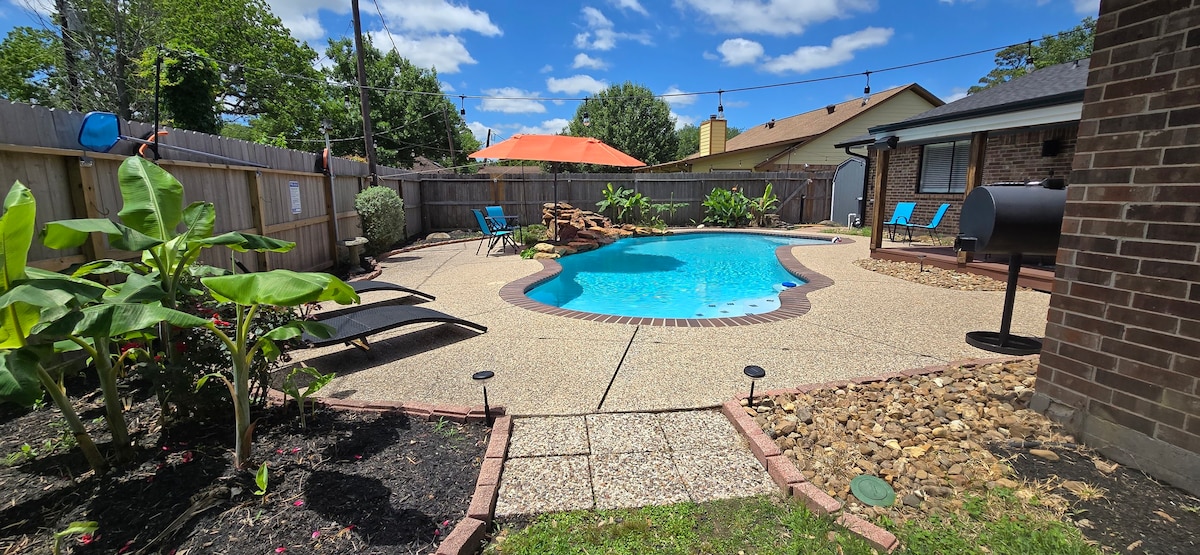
409,114
1014,61
629,117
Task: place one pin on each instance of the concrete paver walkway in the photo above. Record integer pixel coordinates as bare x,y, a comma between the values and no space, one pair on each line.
606,461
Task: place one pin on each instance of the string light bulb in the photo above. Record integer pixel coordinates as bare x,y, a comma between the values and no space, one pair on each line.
867,89
462,107
586,119
720,105
1029,65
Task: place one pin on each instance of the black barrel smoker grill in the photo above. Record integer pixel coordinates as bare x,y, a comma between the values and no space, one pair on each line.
1012,219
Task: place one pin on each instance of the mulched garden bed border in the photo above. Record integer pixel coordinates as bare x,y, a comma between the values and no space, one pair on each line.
789,478
468,535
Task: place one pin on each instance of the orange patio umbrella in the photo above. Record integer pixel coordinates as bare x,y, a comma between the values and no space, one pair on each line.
558,148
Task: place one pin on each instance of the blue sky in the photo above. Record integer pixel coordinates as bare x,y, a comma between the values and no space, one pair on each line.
523,63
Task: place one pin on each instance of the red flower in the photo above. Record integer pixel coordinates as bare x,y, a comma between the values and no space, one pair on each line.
128,545
216,319
187,456
86,539
129,346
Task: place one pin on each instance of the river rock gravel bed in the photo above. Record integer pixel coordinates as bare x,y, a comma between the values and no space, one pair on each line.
931,275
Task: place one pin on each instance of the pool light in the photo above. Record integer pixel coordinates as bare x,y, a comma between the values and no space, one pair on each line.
755,373
483,377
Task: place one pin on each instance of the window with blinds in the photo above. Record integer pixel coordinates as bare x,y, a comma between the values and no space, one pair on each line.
944,167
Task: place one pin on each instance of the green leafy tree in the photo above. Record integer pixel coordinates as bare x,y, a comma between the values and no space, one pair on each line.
190,84
409,114
689,139
629,117
29,62
1014,61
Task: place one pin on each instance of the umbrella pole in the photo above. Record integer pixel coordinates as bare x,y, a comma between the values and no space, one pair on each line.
555,203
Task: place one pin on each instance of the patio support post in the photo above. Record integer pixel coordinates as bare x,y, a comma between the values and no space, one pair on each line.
881,177
974,176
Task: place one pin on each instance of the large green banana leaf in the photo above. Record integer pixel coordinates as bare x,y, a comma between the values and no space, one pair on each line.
18,379
280,288
114,319
153,198
64,234
16,234
243,242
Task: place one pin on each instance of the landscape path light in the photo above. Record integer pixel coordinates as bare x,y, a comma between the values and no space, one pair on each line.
483,377
755,373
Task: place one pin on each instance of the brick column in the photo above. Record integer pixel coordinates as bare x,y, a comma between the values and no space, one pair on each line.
1121,359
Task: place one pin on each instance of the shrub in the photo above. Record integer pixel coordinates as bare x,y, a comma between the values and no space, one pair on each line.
530,235
726,208
382,213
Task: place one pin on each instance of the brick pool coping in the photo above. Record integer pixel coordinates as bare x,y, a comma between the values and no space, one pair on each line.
793,301
784,472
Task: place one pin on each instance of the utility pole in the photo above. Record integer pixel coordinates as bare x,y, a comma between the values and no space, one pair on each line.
70,49
365,100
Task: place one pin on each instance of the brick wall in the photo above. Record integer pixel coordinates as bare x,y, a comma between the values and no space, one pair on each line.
1121,361
903,170
1017,156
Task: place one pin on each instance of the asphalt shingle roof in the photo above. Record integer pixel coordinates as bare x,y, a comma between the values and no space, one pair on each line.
1057,84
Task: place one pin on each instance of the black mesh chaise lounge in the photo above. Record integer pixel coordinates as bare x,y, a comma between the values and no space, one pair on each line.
354,327
366,286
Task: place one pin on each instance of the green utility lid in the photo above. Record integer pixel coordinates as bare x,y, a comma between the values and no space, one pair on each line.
873,491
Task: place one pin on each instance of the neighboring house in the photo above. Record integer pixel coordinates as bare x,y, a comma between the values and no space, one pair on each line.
1022,130
800,140
496,170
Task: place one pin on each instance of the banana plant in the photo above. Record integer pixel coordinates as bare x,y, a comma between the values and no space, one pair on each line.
150,217
249,292
22,374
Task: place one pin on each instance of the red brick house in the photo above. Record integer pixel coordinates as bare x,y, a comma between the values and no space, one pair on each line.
1018,131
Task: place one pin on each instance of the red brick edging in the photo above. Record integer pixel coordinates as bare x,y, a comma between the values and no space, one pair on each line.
467,536
788,477
793,301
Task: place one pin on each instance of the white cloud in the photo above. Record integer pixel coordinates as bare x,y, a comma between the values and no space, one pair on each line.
676,97
710,56
584,61
446,87
600,34
479,130
681,120
1086,7
775,17
576,84
841,50
548,127
512,101
737,52
40,7
546,69
957,93
446,53
632,5
436,16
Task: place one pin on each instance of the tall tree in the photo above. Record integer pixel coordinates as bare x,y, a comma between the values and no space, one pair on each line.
631,118
408,110
1015,61
29,63
689,139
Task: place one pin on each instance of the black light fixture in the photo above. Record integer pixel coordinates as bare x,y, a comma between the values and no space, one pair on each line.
720,105
867,89
586,119
462,108
755,373
483,377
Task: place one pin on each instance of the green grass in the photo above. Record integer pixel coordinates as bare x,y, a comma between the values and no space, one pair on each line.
864,231
753,525
994,524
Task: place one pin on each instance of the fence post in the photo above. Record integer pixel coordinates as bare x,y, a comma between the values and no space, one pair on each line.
258,207
83,200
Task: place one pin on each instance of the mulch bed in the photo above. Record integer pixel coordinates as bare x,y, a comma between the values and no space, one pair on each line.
349,483
1118,507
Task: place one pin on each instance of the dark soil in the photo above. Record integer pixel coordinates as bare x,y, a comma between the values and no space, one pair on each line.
349,483
1123,510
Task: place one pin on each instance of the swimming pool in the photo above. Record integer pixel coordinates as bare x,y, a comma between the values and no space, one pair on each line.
690,275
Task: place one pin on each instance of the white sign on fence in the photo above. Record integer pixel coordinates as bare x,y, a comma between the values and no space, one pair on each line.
294,186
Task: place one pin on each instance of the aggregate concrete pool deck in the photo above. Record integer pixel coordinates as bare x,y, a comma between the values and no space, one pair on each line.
864,324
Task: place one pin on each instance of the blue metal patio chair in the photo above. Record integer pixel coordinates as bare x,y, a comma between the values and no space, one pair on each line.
901,216
930,227
492,235
500,221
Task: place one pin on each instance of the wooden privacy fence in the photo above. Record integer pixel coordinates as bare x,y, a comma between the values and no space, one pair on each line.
291,200
447,200
288,200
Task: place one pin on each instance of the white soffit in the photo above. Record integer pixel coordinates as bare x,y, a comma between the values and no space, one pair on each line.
1060,113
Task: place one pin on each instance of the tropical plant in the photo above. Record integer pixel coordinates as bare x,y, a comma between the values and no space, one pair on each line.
382,214
726,208
760,206
319,380
77,528
614,201
250,292
638,206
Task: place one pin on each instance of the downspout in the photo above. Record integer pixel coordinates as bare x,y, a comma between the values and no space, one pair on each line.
862,200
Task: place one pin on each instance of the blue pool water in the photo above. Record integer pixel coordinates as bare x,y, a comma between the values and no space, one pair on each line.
692,275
